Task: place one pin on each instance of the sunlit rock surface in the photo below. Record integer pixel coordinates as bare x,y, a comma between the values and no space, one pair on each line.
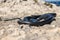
10,30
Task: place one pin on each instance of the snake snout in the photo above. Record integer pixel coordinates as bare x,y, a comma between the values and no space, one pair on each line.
54,14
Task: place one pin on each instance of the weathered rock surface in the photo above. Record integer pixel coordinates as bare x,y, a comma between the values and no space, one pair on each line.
10,30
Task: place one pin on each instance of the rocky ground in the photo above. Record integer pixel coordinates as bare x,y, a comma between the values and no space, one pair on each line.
10,30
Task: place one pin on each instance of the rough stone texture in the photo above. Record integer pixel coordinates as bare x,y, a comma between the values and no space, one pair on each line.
10,30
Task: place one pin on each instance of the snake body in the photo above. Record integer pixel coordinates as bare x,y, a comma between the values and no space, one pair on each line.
36,19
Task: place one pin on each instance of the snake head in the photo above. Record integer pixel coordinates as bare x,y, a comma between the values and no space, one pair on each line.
53,14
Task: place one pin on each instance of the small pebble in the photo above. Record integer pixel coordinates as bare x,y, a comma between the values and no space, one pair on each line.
0,19
24,0
21,27
53,25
